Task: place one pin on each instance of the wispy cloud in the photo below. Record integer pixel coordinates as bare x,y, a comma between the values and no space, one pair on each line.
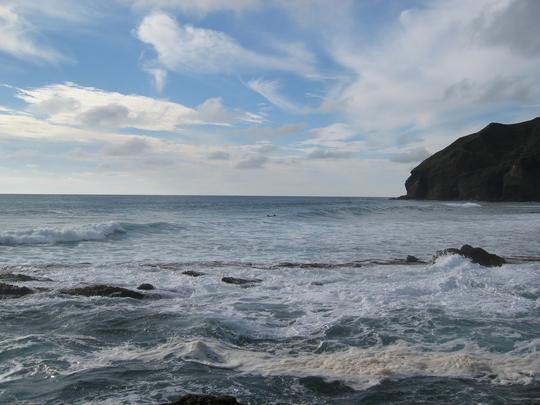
18,37
186,48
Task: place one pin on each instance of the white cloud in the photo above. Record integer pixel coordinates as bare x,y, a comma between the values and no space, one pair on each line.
18,38
411,156
270,90
70,104
159,77
333,135
446,62
186,48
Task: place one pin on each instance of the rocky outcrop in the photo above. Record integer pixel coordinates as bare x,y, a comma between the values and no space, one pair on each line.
475,255
240,281
20,277
102,290
499,163
192,273
205,400
13,291
145,287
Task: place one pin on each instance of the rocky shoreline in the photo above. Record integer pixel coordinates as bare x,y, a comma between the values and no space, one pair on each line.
474,254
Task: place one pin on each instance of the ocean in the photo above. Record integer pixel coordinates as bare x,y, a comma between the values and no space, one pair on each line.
337,316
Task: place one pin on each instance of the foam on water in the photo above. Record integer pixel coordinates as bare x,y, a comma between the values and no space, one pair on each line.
361,368
463,205
64,234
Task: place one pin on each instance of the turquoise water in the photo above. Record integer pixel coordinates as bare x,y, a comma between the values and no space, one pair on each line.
336,319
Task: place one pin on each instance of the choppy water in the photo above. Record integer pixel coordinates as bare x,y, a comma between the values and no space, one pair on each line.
336,319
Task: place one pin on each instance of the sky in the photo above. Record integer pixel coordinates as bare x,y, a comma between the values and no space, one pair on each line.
253,97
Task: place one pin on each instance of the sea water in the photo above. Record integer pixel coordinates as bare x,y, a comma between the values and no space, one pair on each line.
338,318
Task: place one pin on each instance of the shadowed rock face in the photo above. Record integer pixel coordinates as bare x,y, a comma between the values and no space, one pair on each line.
499,163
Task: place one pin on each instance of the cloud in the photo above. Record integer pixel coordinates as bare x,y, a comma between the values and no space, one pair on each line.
444,62
270,90
185,48
134,146
70,104
219,155
254,162
411,156
332,135
159,77
196,7
108,116
329,154
19,38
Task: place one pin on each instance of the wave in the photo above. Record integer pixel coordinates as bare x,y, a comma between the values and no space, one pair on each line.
360,368
66,234
463,205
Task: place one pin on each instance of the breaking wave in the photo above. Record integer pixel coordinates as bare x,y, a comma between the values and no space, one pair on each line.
463,205
66,234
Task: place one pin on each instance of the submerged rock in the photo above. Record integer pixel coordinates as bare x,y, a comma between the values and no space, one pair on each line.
193,273
476,255
19,277
102,290
145,287
413,259
240,281
13,291
499,163
193,399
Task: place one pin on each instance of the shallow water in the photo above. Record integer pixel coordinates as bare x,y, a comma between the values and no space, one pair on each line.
338,318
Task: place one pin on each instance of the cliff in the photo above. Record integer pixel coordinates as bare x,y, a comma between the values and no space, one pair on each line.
499,163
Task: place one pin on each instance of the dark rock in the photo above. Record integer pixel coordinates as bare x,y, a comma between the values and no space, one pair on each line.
476,255
240,281
145,287
499,163
412,259
205,400
8,290
193,273
104,291
20,277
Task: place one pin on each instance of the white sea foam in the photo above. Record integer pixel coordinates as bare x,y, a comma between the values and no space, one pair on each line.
463,205
361,368
85,232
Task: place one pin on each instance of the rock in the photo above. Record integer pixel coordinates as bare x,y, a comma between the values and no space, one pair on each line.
20,277
145,287
412,259
476,255
193,399
192,273
13,291
240,281
499,163
104,291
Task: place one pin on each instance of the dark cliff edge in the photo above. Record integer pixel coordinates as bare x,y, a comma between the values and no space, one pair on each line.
499,163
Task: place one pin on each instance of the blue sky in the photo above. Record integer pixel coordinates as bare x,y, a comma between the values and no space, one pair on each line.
253,97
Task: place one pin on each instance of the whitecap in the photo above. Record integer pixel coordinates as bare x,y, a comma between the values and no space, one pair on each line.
463,205
65,234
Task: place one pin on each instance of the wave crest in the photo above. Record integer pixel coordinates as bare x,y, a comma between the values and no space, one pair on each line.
66,234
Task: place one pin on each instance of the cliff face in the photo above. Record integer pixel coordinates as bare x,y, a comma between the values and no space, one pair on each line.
499,163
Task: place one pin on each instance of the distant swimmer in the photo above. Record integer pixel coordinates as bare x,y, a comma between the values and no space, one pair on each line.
271,215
